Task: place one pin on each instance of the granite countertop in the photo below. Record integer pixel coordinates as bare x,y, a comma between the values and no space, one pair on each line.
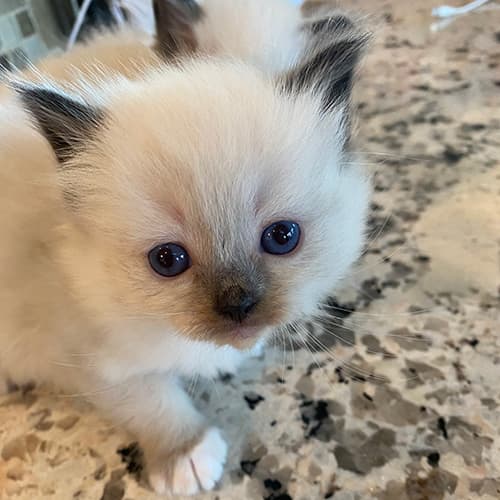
397,400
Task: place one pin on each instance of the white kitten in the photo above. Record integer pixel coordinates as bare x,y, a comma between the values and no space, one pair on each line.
191,212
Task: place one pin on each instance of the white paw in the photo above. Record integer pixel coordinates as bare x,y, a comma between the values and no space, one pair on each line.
197,471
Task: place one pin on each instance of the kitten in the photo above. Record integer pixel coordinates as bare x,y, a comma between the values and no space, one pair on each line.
192,211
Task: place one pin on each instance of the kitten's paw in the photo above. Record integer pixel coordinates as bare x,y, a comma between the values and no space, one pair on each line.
197,471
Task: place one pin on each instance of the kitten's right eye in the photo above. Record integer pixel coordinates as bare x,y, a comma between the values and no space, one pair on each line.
169,259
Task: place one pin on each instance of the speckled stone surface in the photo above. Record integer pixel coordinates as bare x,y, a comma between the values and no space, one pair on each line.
398,399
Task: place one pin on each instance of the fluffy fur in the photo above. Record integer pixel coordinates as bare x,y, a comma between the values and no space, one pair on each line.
265,33
206,153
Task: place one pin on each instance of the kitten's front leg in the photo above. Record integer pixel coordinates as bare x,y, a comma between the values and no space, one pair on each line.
182,455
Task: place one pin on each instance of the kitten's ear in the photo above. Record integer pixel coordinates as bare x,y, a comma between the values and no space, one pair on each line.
65,121
329,61
175,20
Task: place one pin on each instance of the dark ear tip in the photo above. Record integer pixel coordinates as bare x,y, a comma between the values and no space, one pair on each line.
65,121
335,44
27,93
337,23
332,27
16,86
322,20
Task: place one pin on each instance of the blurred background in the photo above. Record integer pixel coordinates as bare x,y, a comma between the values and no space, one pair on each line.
31,29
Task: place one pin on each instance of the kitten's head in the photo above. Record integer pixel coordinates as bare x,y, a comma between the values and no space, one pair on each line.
208,198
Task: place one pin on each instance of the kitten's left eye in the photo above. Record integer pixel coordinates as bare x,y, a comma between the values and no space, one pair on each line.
169,259
281,237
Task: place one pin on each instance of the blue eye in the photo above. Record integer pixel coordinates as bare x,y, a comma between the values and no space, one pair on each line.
281,237
169,259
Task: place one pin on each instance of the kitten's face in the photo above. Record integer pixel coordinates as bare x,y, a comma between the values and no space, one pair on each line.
203,162
210,175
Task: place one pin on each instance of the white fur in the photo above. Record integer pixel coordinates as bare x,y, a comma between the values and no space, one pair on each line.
264,32
202,467
206,154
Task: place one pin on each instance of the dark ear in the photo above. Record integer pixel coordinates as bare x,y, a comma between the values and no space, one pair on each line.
66,122
175,20
328,64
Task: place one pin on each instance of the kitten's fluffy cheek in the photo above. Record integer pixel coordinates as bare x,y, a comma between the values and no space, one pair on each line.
305,302
321,277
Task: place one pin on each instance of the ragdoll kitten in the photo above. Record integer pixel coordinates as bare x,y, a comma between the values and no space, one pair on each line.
191,212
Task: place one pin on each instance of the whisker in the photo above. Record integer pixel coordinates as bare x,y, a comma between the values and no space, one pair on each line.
119,424
304,342
192,384
383,259
431,310
64,364
420,336
373,239
363,372
292,347
410,338
215,388
283,338
97,392
284,358
396,156
347,342
370,375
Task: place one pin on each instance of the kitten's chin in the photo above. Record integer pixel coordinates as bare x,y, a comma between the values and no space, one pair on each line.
245,337
246,332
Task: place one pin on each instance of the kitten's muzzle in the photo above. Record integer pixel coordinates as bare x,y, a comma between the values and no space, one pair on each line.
235,303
